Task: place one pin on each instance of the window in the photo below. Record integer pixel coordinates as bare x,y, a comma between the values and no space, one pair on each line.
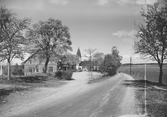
30,70
50,69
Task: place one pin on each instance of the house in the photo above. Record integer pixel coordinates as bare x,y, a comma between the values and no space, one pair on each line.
33,65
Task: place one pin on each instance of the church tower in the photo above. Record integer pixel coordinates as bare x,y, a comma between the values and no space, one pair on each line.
80,59
79,54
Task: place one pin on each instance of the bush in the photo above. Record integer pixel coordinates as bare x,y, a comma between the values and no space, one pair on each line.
18,70
67,75
59,74
79,70
110,64
64,74
30,79
111,71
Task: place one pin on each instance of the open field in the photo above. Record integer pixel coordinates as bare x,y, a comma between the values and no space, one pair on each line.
156,96
152,74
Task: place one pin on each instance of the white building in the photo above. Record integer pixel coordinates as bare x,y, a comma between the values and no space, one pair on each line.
32,65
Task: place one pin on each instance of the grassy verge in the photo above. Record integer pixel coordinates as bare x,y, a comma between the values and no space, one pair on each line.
99,78
15,85
156,98
91,81
36,80
157,102
4,92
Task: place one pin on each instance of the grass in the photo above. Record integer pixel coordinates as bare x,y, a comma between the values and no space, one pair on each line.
157,102
6,91
98,77
156,98
29,79
152,73
15,85
102,78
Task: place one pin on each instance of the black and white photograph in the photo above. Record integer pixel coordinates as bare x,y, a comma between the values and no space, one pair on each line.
83,58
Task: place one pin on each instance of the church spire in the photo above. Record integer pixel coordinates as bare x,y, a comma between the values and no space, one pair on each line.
79,52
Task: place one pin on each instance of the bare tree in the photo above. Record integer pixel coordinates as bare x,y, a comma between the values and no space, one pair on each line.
98,58
90,53
152,43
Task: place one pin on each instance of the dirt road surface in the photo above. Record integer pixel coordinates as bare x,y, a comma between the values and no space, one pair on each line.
108,98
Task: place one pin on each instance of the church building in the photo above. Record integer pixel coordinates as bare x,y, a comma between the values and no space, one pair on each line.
78,67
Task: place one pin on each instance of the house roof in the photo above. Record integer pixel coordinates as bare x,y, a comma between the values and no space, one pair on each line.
84,63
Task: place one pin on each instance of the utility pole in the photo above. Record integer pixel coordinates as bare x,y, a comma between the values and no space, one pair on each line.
145,71
130,65
145,77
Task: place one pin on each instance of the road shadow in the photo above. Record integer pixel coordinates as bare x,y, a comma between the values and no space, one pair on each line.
70,79
141,83
5,92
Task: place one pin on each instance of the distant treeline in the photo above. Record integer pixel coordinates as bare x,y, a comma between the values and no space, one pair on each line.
127,64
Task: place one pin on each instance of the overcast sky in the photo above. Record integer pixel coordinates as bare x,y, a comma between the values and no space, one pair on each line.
99,24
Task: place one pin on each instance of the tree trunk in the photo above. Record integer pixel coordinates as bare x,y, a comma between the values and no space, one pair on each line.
46,65
9,70
160,73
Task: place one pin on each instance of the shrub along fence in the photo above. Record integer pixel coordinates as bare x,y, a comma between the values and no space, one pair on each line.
66,75
30,79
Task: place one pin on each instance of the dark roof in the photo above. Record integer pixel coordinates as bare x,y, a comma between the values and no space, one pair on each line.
79,52
84,63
